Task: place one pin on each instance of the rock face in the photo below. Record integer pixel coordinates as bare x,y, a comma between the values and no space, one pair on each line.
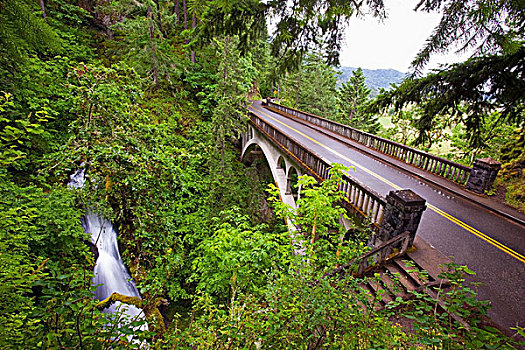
482,175
93,248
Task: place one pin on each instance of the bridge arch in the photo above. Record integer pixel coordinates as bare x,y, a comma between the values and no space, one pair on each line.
292,176
280,165
285,170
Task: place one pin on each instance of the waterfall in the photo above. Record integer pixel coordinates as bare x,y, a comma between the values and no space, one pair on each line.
110,273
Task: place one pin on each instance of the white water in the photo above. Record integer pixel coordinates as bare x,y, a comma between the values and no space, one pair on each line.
110,273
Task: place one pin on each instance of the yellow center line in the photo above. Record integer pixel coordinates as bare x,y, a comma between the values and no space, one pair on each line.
435,209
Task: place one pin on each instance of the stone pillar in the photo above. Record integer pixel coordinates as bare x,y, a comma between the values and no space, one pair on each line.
482,175
403,212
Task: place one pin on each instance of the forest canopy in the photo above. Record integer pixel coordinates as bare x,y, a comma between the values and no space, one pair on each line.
148,99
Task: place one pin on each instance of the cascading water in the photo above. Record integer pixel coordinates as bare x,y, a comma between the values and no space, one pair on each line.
110,273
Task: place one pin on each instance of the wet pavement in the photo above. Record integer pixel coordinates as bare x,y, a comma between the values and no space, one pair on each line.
486,236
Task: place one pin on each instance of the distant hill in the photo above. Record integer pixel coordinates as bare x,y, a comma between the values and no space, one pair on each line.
375,78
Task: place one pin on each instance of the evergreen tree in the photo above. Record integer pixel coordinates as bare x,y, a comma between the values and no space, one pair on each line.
231,92
21,31
466,92
489,27
301,26
312,87
143,39
352,98
492,80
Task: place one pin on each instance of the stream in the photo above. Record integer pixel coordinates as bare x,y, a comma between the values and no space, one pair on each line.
110,273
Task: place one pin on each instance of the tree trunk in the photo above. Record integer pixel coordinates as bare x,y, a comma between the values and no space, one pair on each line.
158,16
43,8
106,21
185,14
177,10
193,25
315,235
225,77
223,146
473,155
298,88
153,47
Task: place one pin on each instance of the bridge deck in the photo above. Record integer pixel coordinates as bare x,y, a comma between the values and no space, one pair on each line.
489,244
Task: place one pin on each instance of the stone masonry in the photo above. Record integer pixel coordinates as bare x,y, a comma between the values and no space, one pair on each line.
403,212
482,175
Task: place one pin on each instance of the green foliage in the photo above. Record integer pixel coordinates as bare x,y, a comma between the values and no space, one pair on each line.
312,88
15,134
46,271
152,182
124,100
514,146
21,31
314,24
441,133
63,13
431,327
102,98
316,221
298,313
402,129
42,98
300,27
245,20
294,315
512,174
466,92
16,281
236,75
146,40
352,100
486,26
237,257
491,81
448,138
494,133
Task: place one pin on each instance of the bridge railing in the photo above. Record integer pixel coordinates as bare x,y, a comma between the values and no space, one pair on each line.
395,247
440,166
362,201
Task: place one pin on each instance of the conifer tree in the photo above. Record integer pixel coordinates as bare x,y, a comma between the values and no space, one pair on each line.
300,26
21,30
312,87
352,99
492,80
231,93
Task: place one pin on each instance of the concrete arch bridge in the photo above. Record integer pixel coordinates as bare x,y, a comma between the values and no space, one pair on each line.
399,189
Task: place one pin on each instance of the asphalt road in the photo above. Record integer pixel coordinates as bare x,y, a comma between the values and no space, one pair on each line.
490,245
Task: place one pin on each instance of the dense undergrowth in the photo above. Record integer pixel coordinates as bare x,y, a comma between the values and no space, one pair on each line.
512,175
156,140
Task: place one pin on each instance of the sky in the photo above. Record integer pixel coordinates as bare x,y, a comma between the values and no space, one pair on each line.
394,42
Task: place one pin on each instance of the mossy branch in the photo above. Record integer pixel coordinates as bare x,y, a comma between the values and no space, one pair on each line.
151,311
